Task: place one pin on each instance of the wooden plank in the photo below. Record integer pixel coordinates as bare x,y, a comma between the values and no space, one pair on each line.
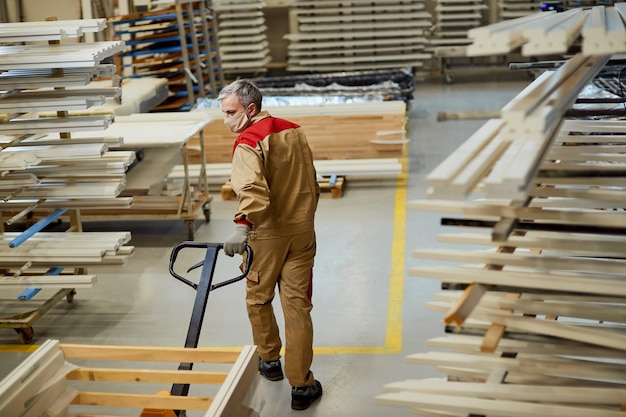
147,353
147,375
610,313
533,344
28,377
537,364
604,31
532,279
501,37
496,208
106,399
526,259
70,55
229,399
74,281
555,34
582,245
489,407
551,394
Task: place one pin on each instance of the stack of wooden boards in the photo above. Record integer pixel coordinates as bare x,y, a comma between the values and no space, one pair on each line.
56,173
364,140
513,9
47,383
242,37
535,308
453,18
335,132
360,34
602,30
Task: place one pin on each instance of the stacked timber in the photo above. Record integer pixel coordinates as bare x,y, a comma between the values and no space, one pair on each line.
337,131
513,9
453,18
357,35
44,169
52,381
601,29
242,36
534,294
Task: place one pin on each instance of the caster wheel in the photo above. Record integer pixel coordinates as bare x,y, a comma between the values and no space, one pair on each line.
25,334
70,296
190,229
206,210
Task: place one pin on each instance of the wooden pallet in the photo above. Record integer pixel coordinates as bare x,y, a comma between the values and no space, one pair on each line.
330,187
47,384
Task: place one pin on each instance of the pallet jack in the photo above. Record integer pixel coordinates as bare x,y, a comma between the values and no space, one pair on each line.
203,288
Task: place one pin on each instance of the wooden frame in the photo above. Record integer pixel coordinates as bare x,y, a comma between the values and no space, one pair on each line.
40,384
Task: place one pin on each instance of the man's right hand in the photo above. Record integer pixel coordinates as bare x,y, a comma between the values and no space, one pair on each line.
236,242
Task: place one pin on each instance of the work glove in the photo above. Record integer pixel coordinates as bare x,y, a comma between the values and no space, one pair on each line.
236,243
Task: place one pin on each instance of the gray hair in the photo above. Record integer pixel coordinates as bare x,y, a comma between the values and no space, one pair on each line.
246,91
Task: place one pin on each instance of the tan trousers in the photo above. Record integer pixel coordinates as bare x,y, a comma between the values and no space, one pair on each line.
286,263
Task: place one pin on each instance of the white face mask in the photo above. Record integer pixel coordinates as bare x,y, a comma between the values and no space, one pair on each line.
237,122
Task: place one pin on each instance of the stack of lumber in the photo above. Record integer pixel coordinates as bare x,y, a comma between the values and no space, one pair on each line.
242,36
601,28
513,9
453,18
50,382
55,168
360,34
336,131
534,299
42,82
51,250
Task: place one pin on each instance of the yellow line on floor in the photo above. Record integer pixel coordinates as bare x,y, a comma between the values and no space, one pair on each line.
393,330
393,336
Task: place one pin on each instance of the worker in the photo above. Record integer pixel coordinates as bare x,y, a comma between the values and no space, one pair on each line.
277,194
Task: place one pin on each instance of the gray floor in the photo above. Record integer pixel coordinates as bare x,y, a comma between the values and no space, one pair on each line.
368,313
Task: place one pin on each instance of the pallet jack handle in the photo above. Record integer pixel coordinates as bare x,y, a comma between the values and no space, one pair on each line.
203,288
202,245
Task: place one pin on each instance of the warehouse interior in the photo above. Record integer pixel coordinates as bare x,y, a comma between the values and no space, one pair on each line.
502,121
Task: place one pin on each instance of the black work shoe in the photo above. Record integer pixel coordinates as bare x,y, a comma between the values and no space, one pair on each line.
303,397
271,370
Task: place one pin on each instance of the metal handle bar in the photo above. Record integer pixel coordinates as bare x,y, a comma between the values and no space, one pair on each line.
199,245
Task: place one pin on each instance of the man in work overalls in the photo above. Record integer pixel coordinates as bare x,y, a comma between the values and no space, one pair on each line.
277,194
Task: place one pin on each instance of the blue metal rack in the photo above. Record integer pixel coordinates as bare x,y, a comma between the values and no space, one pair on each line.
179,43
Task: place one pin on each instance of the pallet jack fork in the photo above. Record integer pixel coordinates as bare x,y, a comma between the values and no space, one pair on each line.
203,288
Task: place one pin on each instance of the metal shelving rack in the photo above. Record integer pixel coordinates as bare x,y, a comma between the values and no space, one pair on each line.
177,41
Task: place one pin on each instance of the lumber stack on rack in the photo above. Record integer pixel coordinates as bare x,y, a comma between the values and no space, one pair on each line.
337,131
52,381
242,36
41,83
534,276
334,36
600,28
453,19
513,9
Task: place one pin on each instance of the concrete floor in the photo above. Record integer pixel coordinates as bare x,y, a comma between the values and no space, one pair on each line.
368,314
